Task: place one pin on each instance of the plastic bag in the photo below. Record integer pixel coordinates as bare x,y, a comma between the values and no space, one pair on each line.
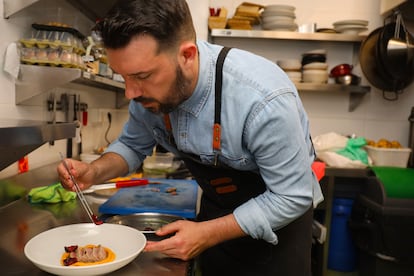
340,151
329,142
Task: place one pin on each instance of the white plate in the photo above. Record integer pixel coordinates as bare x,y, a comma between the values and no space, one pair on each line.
359,22
278,21
278,13
279,8
276,18
45,250
316,52
280,27
350,30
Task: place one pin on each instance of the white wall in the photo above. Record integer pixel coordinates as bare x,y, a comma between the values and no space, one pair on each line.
374,118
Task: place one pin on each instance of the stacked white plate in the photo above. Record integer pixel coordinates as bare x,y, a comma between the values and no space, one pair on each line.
279,17
354,26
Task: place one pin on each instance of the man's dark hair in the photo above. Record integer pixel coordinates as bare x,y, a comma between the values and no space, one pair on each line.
168,21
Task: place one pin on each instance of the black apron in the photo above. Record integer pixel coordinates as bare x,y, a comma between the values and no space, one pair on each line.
224,189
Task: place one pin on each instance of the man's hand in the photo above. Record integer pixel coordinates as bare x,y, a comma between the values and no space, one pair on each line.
82,172
107,166
191,238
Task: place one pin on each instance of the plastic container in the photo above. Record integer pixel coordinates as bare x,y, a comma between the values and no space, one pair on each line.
159,164
342,250
389,157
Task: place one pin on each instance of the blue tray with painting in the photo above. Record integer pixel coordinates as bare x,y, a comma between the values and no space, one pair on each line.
170,196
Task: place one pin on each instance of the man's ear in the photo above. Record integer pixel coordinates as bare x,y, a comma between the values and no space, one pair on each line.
187,54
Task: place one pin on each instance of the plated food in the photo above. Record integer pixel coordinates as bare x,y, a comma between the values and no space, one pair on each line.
120,242
86,255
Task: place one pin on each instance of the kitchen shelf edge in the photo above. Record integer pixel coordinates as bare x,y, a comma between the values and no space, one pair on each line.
267,34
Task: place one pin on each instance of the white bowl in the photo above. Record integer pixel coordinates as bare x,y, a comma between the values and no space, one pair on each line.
316,65
315,76
289,64
45,250
294,75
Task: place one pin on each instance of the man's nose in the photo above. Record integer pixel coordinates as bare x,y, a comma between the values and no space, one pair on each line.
132,91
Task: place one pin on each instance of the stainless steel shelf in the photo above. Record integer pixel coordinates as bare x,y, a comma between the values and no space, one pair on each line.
93,9
356,93
286,35
20,137
34,80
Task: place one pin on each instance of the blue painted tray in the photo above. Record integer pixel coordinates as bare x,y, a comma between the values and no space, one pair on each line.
155,198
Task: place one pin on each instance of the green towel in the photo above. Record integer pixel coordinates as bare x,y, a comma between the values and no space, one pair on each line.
50,194
354,150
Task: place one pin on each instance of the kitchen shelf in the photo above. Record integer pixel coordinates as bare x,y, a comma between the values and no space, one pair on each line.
93,9
20,137
34,80
356,93
286,35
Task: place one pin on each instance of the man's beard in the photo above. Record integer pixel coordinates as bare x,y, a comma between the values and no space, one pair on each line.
178,94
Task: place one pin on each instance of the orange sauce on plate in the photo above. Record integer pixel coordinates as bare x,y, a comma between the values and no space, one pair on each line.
110,256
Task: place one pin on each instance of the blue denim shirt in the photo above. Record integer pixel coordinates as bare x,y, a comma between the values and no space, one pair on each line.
264,129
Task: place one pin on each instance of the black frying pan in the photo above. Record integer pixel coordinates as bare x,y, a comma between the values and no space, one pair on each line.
382,71
399,67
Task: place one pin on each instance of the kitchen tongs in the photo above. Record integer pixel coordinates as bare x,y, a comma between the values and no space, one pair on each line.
82,198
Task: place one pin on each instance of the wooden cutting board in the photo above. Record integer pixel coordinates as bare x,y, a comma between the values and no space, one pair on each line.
156,198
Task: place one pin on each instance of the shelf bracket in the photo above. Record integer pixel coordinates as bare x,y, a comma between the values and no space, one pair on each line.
355,100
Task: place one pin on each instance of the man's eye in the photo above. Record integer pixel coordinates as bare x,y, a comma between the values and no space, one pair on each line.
142,76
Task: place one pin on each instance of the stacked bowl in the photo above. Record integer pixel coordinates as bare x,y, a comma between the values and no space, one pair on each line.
292,68
314,67
278,17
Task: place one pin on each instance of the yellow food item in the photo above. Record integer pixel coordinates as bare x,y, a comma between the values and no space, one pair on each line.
371,143
384,143
395,145
110,256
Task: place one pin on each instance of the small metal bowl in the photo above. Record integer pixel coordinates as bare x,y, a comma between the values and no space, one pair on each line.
147,223
350,79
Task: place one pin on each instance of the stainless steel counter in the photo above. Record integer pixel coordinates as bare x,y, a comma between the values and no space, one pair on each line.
22,221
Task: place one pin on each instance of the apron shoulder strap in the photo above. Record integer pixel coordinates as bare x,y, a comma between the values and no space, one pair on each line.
218,87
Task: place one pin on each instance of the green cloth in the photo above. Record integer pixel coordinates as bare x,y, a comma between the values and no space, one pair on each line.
50,194
398,182
354,150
